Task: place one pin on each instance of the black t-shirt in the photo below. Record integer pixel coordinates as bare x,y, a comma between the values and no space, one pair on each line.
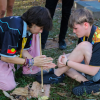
12,31
94,35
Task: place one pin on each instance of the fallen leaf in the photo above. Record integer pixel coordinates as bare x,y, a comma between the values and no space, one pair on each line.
8,95
63,84
97,93
43,98
20,91
62,94
21,98
36,90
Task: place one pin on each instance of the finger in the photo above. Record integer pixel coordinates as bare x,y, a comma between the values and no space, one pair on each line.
63,56
49,58
60,60
42,56
61,65
45,60
52,65
48,64
44,68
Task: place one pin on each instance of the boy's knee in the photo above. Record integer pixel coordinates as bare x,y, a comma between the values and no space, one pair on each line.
84,45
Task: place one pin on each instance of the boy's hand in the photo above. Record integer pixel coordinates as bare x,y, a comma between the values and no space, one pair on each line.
60,63
64,59
43,61
49,66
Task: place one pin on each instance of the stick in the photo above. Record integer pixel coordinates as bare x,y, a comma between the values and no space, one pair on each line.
42,90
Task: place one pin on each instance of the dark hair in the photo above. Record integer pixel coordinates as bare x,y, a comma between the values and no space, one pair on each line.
38,15
80,16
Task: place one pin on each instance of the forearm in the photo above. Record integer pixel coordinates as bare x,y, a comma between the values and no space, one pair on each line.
17,60
91,70
14,60
25,54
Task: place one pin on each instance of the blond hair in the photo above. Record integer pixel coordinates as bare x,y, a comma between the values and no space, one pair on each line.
80,16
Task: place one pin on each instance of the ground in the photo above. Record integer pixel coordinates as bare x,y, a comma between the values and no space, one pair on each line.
59,91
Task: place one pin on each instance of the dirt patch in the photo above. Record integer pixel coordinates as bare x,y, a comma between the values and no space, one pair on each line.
53,42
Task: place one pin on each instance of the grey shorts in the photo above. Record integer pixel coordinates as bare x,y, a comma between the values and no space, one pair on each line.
94,78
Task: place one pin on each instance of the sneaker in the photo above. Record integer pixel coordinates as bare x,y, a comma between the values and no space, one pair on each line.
86,87
51,78
62,45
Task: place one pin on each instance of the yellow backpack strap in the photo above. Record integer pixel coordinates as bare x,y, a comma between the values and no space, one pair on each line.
23,45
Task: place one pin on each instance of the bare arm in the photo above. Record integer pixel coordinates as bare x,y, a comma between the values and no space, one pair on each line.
85,68
17,60
14,60
25,54
38,61
91,70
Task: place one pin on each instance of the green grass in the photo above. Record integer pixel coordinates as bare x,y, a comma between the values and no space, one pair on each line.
19,8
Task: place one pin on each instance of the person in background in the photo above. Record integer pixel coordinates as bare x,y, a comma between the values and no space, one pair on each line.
6,6
66,11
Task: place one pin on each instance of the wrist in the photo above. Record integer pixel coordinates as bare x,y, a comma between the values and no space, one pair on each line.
67,62
29,62
26,61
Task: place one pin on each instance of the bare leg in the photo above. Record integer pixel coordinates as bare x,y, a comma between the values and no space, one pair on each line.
71,73
3,5
82,52
10,5
75,75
